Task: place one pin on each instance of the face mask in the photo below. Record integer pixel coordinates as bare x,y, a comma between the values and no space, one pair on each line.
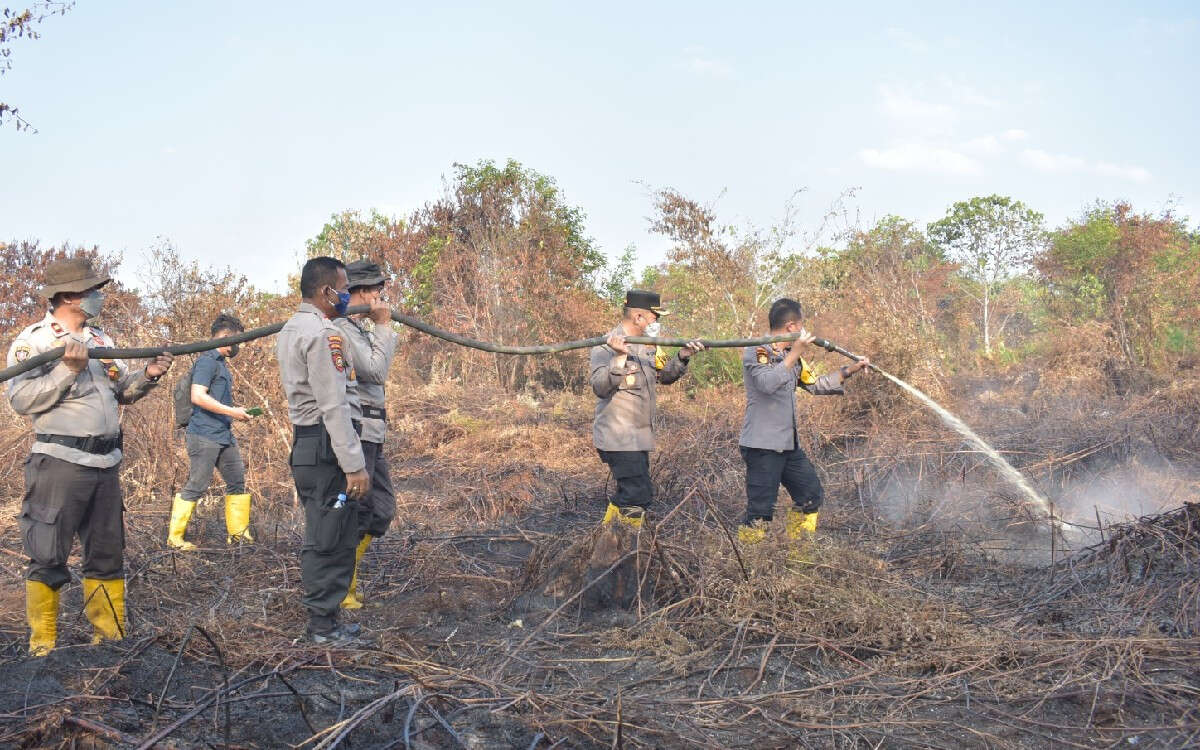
654,329
343,301
233,350
91,304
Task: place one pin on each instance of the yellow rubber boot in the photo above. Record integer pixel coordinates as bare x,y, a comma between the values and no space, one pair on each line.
751,534
237,518
352,601
41,610
801,524
104,605
632,515
181,513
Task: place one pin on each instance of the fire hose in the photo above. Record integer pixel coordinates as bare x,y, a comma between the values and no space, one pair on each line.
149,352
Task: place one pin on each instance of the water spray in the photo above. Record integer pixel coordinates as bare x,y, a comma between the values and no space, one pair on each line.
1006,470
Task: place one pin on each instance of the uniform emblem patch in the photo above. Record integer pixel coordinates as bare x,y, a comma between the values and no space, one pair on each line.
630,379
335,351
21,353
114,372
763,358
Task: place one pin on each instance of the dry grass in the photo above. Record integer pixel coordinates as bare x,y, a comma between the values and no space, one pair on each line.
890,629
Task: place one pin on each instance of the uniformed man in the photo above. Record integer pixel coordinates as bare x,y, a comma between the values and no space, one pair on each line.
769,444
327,458
211,444
624,376
71,482
371,341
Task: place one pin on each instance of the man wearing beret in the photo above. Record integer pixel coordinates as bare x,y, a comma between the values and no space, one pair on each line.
768,444
371,341
71,482
623,377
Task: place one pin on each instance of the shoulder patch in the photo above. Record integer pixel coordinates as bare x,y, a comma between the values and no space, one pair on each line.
22,352
763,357
335,351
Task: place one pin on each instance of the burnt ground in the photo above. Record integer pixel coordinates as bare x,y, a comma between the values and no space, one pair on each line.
880,633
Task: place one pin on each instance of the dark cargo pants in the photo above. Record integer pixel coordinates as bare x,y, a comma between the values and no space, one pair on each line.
631,470
767,469
62,499
330,534
204,455
376,511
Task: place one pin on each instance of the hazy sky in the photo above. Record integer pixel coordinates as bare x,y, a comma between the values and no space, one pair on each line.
236,129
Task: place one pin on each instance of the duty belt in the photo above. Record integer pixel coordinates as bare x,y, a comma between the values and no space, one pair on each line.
318,429
99,445
370,412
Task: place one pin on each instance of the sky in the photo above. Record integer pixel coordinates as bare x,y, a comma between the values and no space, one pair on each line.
235,130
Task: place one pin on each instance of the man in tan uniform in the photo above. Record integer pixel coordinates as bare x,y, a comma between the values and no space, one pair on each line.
623,377
769,441
327,458
71,482
371,341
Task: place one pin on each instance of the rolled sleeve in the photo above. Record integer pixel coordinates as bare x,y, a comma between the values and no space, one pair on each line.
829,384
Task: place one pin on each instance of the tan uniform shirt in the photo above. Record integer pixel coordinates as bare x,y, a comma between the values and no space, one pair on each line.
624,418
65,403
371,349
318,377
771,421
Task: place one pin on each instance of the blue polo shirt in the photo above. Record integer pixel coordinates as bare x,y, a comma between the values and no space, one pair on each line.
210,371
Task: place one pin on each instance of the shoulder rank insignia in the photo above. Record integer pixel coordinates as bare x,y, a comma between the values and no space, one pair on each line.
57,328
763,357
806,374
335,351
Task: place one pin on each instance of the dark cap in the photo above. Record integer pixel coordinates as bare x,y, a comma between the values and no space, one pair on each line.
71,275
364,273
644,300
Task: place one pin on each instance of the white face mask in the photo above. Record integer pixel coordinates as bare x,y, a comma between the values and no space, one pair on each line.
654,329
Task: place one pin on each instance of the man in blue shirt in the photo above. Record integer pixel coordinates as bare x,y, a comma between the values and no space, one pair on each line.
211,444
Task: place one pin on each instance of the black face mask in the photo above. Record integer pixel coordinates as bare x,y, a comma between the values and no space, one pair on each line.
234,349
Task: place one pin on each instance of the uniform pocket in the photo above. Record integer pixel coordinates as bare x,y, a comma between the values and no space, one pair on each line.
327,528
305,451
39,530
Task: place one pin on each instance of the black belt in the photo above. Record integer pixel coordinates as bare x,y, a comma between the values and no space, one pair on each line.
318,429
370,412
99,445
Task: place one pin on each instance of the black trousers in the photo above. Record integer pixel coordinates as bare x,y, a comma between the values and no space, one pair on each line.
376,511
204,455
330,533
63,499
631,470
767,469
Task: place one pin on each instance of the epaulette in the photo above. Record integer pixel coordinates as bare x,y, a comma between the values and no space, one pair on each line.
763,356
57,328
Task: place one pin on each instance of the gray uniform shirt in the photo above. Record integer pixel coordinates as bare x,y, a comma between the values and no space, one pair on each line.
624,418
65,403
371,349
771,421
318,377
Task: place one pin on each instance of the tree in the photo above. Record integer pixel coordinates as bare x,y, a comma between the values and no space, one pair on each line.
992,238
19,24
1139,274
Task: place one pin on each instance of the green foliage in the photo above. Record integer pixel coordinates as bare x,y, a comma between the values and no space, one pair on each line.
992,238
349,235
612,286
